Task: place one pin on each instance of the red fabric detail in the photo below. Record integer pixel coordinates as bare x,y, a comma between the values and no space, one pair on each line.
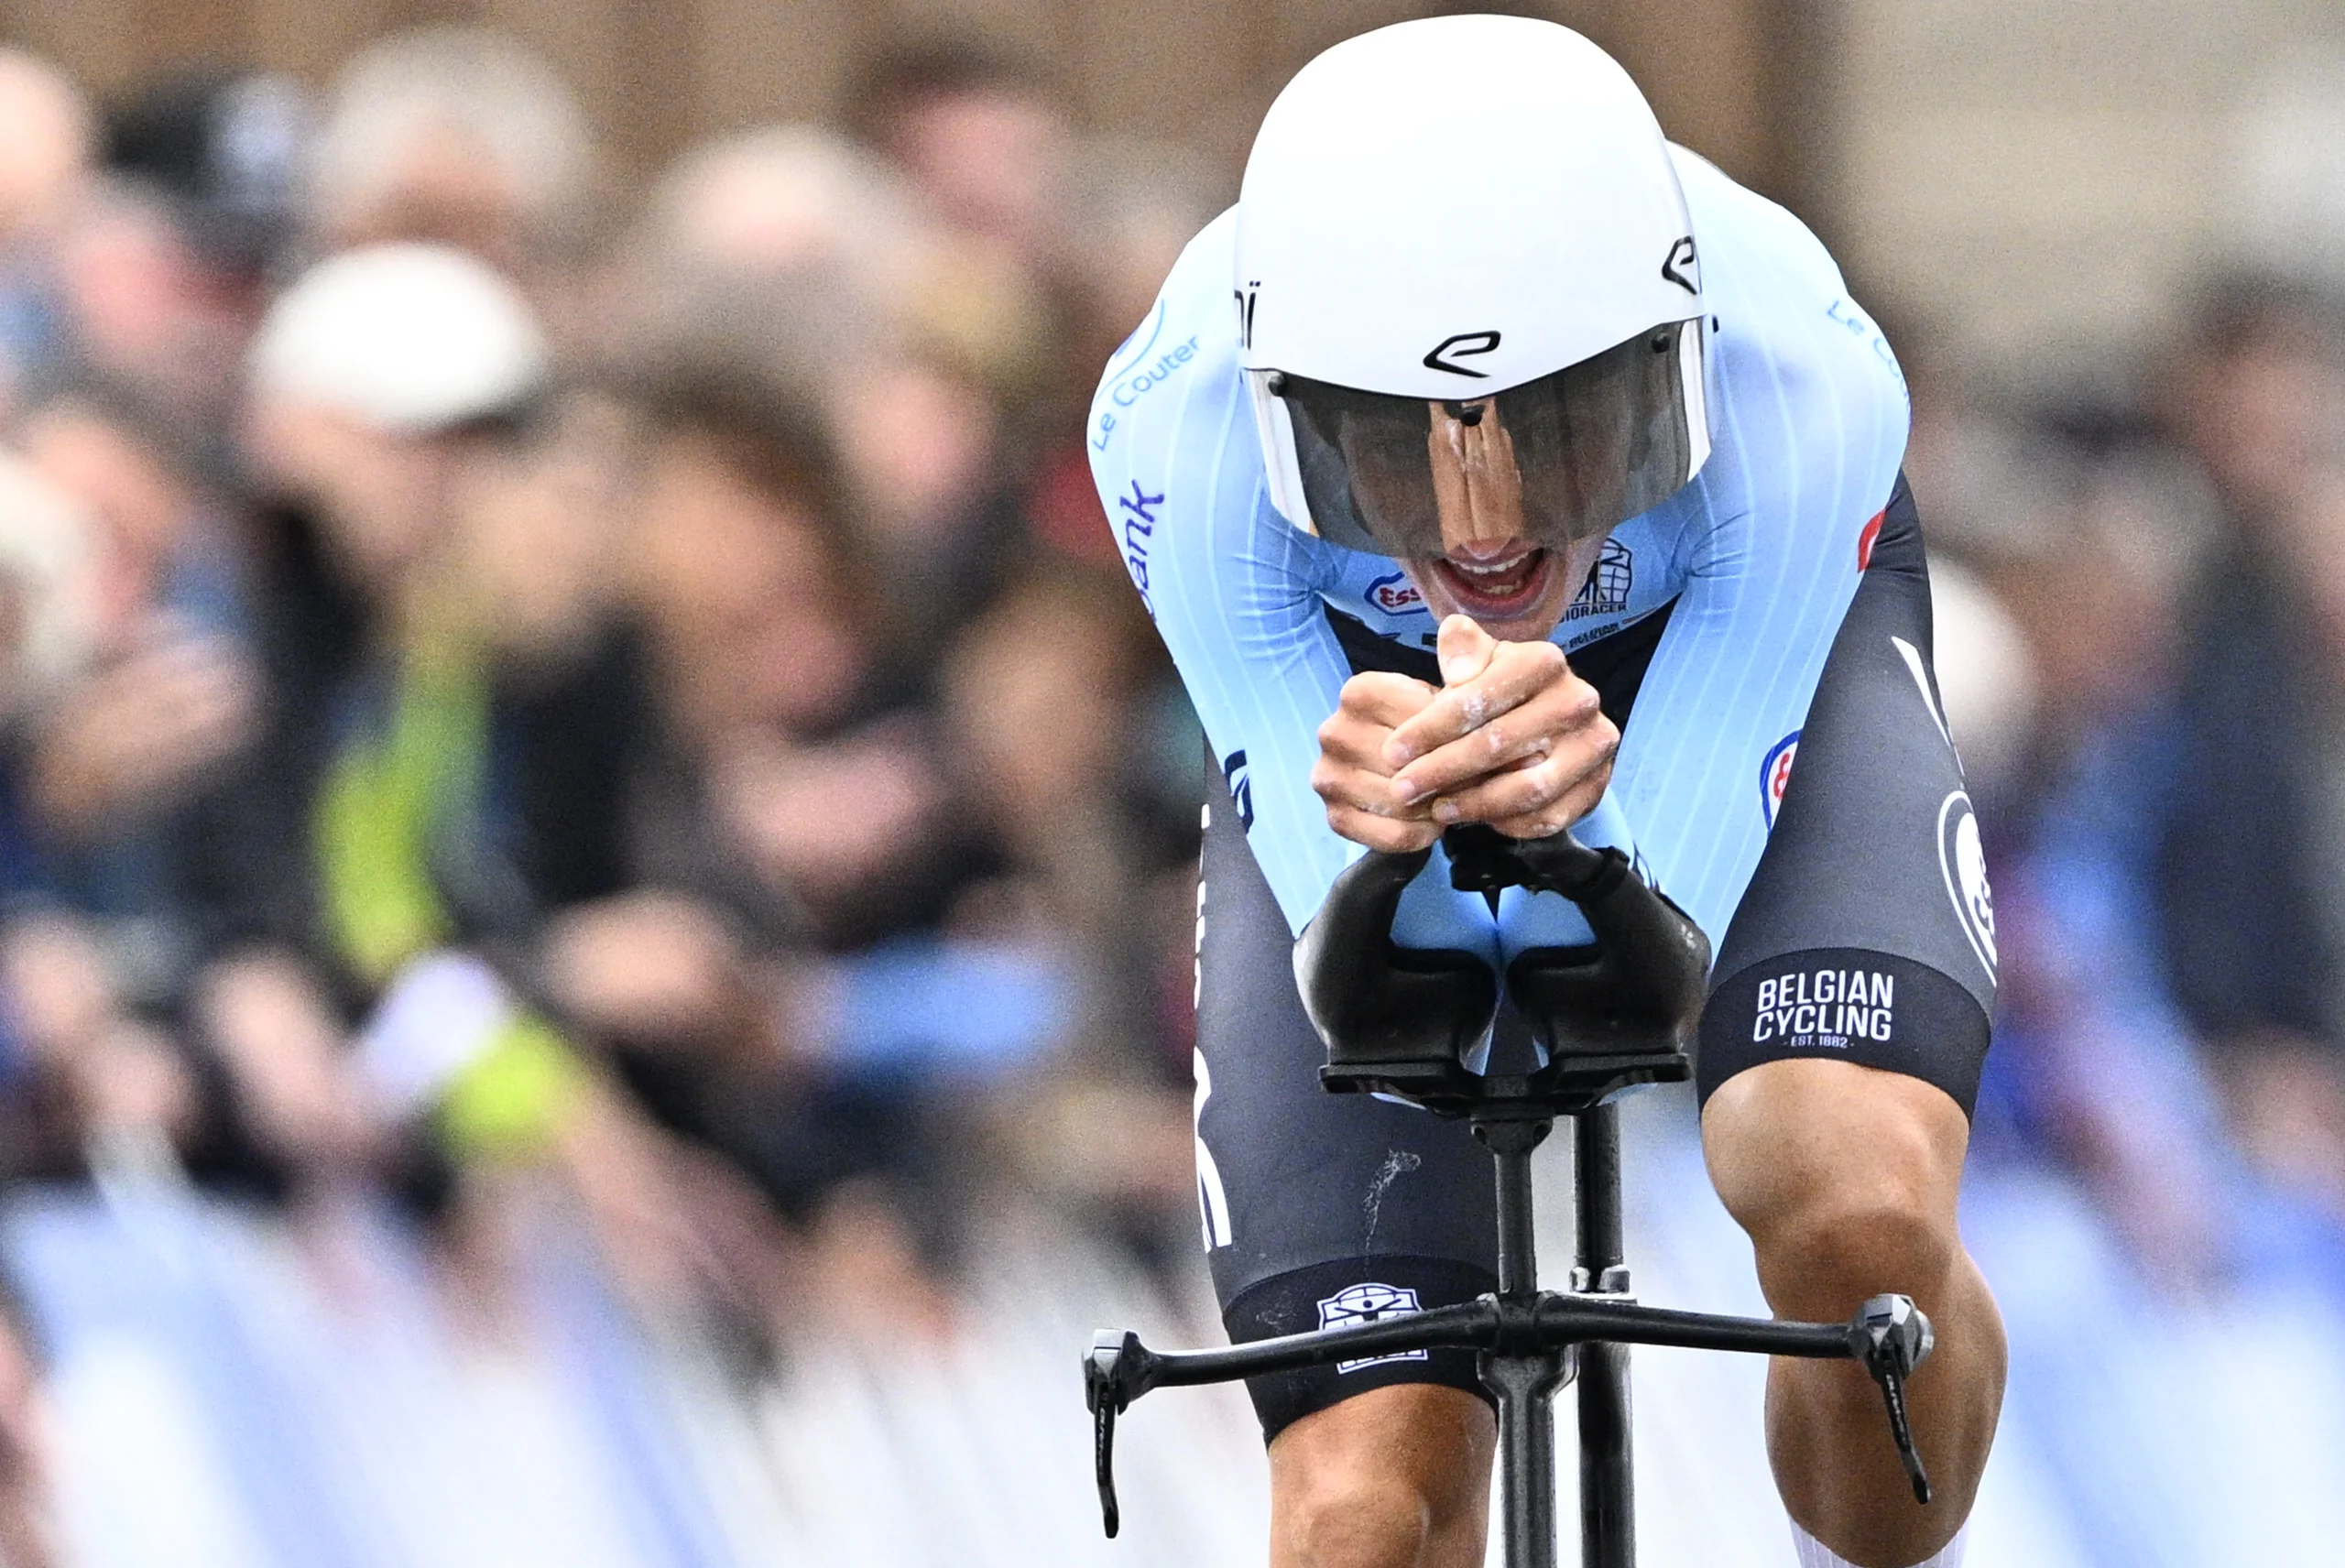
1865,540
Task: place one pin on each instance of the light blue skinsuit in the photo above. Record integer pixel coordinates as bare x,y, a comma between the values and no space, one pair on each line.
1762,554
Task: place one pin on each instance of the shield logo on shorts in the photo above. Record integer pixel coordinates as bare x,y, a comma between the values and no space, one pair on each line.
1369,1302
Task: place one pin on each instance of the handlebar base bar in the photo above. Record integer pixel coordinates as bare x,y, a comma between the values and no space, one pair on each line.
1120,1368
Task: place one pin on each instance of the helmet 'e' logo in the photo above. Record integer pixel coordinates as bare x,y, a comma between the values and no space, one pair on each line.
1680,268
1464,345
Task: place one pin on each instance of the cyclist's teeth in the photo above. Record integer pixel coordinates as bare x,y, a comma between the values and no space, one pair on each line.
1498,579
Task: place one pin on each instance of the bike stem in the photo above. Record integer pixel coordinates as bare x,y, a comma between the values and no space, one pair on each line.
1523,1378
1520,1372
1607,1485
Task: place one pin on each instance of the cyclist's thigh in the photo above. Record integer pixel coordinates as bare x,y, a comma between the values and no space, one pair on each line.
1867,933
1317,1207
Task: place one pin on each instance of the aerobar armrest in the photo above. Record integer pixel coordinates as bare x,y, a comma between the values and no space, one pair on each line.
1392,1018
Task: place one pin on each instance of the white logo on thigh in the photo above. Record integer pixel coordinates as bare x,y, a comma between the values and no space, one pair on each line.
1369,1302
1964,862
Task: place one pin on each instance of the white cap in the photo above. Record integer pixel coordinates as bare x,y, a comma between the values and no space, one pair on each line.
405,339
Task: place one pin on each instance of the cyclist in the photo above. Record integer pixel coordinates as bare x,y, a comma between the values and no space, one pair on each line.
1495,461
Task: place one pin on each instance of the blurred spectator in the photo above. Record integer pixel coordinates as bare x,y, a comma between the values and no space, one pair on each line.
451,750
223,149
50,598
48,139
28,1458
447,784
141,306
988,147
122,713
2093,1065
458,136
787,200
1047,701
797,259
1043,697
2251,866
795,804
779,676
115,732
982,138
176,694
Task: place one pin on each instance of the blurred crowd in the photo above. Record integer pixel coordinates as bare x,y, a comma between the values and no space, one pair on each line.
519,694
2141,635
515,693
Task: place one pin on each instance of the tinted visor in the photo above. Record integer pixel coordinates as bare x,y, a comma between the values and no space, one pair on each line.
1554,460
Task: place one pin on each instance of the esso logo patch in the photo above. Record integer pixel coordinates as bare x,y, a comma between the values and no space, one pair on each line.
1963,860
1396,595
1867,540
1775,775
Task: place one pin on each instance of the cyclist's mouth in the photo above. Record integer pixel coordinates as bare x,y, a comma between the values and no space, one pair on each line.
1499,587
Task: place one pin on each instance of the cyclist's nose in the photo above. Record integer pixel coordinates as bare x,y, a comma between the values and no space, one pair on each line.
1475,481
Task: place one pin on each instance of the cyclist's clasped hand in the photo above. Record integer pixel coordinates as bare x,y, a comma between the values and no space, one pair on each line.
1514,739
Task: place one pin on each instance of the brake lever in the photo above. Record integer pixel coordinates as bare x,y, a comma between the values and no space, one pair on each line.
1892,1337
1114,1375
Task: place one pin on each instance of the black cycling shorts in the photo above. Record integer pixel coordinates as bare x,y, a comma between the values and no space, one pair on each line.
1864,936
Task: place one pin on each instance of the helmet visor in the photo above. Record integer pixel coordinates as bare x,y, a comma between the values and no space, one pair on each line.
1552,461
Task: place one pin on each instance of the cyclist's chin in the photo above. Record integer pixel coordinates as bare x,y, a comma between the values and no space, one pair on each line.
1521,605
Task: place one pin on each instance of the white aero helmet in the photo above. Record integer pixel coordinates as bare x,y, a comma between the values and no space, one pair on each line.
1467,287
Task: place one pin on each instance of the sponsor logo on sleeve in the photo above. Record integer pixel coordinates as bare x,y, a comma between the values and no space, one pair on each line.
1134,372
1775,776
1844,312
1241,788
1606,592
1963,861
1396,595
1825,1009
1139,520
1369,1302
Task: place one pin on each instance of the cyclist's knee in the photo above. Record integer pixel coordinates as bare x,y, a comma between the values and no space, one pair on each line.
1824,1257
1344,1518
1395,1477
1846,1179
